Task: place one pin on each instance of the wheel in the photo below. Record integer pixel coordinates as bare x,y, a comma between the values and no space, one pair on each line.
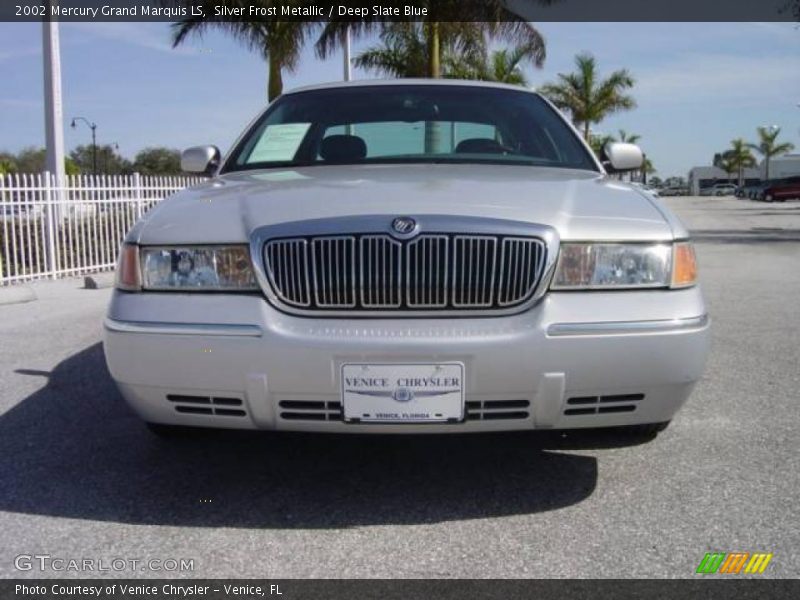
171,431
768,198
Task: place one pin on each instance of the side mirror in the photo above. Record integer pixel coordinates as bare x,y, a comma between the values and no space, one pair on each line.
622,157
201,159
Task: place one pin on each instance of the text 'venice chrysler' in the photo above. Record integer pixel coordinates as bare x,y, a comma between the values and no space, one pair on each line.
408,256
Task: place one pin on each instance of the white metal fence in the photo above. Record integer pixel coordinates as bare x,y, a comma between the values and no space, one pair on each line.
49,230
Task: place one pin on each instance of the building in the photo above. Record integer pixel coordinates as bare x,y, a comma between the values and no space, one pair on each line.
703,177
787,165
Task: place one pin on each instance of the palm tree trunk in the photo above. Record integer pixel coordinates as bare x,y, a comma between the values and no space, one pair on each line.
586,131
275,77
433,129
434,51
766,168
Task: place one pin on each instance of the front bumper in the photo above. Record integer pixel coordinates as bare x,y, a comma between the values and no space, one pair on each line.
576,359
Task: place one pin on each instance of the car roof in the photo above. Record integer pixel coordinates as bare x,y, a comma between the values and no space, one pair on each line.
409,81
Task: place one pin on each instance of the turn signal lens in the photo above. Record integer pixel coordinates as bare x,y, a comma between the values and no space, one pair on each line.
128,272
684,270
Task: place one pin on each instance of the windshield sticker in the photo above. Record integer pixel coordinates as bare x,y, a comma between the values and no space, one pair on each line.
279,142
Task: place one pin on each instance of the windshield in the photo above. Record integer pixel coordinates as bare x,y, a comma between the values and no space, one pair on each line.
409,124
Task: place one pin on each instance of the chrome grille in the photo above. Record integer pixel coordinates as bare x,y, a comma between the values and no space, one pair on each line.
518,269
380,272
374,272
426,272
334,269
473,282
288,270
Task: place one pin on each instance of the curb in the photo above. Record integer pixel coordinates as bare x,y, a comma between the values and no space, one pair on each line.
16,294
99,281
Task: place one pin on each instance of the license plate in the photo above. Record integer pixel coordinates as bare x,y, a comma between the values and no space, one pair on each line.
403,393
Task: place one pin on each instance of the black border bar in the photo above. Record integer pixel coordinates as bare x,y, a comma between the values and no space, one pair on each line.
402,10
702,587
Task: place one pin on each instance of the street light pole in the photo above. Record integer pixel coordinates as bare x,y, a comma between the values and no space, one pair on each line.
93,126
346,48
54,128
54,136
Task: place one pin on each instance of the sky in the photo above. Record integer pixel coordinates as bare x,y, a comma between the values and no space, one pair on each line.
698,85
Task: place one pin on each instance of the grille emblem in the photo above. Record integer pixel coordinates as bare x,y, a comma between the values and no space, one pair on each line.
404,226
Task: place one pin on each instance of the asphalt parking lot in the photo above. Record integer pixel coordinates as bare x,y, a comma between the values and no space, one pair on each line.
80,477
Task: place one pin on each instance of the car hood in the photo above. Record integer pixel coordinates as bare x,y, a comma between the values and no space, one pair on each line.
581,205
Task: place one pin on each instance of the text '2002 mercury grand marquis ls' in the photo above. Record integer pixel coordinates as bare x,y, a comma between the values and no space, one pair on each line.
408,256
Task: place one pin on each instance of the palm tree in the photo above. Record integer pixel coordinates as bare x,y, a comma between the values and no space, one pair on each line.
490,18
729,166
404,52
278,42
629,138
648,168
739,157
767,146
506,65
588,98
503,66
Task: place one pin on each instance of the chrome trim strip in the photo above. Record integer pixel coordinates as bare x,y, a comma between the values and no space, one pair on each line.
625,327
155,327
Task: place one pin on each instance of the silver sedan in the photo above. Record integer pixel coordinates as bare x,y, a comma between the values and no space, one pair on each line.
408,256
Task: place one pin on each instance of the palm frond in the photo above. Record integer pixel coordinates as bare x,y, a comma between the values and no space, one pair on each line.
588,98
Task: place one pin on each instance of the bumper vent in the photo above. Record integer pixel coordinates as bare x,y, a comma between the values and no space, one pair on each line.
594,405
431,272
489,410
208,405
310,410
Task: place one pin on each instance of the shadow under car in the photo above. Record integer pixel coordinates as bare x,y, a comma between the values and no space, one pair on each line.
74,449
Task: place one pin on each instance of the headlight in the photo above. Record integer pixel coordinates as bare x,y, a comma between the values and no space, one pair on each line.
197,268
624,266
